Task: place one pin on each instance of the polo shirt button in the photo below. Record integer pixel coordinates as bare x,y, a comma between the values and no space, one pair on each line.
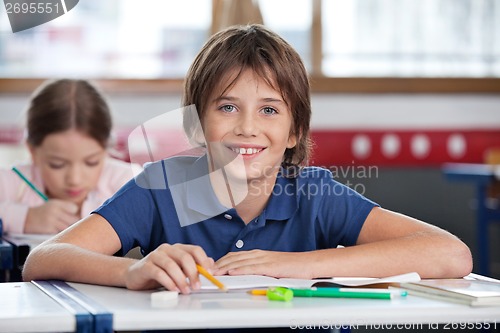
227,216
239,244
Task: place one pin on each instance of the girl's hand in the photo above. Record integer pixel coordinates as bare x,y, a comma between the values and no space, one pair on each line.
170,266
270,263
53,216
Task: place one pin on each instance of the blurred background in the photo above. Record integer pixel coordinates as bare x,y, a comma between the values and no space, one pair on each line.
399,87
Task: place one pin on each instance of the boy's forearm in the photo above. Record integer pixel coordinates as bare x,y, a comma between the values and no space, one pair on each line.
70,263
432,255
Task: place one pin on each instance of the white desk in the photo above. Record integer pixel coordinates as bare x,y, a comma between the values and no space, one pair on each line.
25,308
132,310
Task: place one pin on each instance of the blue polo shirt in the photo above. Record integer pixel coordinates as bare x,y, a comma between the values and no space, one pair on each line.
308,212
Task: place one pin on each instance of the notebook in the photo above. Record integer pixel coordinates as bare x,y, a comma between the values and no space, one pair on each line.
242,282
466,291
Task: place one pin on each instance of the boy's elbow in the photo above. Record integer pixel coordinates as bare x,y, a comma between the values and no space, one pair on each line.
27,271
460,262
30,270
26,276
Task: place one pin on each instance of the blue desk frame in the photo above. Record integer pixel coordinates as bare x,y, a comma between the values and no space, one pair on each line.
6,257
90,316
482,175
20,247
19,251
6,260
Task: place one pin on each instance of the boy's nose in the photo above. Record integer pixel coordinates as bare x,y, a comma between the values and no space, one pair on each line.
247,125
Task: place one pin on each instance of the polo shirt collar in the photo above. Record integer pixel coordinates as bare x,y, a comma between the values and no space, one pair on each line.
201,198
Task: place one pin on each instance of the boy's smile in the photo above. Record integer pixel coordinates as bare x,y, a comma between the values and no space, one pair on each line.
250,121
246,151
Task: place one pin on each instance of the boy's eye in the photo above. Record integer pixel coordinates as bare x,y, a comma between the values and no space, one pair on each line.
227,108
269,111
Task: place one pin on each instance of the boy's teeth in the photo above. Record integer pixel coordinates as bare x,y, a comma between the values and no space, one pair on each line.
246,151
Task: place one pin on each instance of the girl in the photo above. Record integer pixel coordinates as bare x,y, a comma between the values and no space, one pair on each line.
249,205
68,128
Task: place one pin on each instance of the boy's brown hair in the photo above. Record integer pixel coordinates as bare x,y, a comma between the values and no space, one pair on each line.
257,48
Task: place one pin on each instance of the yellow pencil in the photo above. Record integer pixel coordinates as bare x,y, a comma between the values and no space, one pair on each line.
258,292
209,276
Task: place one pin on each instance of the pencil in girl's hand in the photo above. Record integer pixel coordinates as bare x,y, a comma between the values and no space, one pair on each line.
210,277
30,184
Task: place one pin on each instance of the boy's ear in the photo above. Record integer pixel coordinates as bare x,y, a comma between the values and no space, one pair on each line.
200,137
197,138
292,141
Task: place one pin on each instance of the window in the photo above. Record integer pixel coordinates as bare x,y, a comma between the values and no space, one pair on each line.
109,39
153,39
294,25
411,38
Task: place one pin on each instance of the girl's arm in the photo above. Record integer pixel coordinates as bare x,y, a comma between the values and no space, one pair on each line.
12,212
23,211
84,253
13,216
388,244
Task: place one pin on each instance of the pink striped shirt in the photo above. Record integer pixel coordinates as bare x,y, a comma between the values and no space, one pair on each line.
16,197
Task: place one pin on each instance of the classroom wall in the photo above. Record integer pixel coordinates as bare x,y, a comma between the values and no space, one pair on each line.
338,111
415,187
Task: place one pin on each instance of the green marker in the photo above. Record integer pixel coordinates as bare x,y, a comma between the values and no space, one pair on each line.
346,293
30,184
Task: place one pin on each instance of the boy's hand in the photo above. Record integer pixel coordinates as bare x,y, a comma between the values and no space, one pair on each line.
270,263
53,216
170,266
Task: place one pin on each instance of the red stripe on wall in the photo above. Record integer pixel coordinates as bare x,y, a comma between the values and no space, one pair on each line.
339,147
402,147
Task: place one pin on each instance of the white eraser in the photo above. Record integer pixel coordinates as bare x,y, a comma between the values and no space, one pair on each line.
164,298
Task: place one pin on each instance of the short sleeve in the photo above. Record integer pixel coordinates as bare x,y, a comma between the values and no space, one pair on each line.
131,212
342,212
